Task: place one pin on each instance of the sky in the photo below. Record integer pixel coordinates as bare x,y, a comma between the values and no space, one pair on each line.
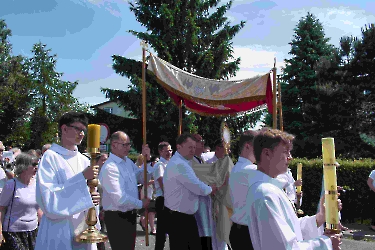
86,33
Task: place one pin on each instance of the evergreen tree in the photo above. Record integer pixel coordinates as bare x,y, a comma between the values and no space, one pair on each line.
193,35
299,96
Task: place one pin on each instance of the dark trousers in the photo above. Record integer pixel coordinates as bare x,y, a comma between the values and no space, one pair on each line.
206,243
183,231
239,237
121,229
161,227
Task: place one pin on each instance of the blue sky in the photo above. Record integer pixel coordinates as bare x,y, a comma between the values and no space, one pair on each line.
86,33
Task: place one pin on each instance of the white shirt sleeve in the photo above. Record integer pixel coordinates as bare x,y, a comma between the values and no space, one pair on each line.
60,200
159,171
112,186
190,181
267,218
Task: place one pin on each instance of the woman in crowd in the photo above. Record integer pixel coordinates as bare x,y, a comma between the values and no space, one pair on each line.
19,211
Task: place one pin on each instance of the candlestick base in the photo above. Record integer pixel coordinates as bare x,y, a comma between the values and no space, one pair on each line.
332,228
91,235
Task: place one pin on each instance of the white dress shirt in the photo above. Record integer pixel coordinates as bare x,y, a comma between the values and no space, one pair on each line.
289,187
272,221
119,179
181,186
159,172
238,188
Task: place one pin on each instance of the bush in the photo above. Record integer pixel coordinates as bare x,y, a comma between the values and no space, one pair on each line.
352,175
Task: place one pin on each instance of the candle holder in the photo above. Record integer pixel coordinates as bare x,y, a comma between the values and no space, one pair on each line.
91,234
299,190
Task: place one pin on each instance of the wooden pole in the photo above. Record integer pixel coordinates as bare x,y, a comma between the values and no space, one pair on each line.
180,118
274,123
144,46
280,107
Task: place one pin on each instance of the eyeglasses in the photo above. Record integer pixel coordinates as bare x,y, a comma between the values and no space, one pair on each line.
128,144
79,130
34,164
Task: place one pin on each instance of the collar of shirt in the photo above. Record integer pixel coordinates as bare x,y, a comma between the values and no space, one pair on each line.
177,154
245,160
63,151
117,159
163,160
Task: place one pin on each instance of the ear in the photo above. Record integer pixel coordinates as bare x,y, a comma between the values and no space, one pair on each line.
178,146
267,153
63,128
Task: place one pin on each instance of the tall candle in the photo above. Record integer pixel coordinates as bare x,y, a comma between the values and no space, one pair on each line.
299,176
330,182
93,136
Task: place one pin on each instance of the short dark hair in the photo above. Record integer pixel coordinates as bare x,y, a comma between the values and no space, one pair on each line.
72,117
183,137
246,137
162,145
270,138
116,136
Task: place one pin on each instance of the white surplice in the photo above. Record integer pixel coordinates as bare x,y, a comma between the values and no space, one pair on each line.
63,195
272,221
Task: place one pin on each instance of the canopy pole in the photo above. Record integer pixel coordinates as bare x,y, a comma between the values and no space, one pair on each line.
274,115
144,47
180,118
280,106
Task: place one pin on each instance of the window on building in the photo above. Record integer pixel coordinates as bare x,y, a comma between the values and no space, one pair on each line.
109,110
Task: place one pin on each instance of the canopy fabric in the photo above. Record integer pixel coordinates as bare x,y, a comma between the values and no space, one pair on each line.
212,97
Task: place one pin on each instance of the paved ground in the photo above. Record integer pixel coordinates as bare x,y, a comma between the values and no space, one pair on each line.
357,240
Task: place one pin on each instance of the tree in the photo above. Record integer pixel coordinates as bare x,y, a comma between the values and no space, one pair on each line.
51,96
15,85
192,35
299,96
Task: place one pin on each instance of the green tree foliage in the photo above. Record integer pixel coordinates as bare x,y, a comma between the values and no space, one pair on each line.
300,93
51,96
192,35
14,89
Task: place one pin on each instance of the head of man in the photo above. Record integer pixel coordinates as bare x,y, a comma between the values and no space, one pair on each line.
219,149
45,148
272,151
199,143
245,144
165,150
186,146
72,128
120,144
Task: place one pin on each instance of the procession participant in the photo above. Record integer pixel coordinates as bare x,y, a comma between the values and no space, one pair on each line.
203,213
118,177
61,188
181,191
219,152
270,216
165,153
238,187
290,185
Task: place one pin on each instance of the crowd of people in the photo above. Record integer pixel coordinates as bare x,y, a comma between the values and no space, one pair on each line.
45,199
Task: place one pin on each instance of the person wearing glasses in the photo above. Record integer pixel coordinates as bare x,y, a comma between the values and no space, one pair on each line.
61,189
119,177
19,211
165,152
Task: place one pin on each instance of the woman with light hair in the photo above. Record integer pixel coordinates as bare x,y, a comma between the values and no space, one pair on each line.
19,211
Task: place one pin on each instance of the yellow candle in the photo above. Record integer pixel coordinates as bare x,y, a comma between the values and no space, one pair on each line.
93,136
299,176
330,181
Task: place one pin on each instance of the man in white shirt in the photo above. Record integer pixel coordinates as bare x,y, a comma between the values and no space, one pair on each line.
182,189
119,177
270,215
165,153
61,188
289,185
238,187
